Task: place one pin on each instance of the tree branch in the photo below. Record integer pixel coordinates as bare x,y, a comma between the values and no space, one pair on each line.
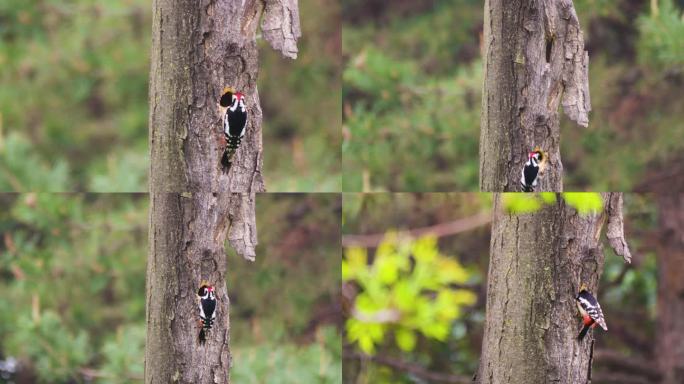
618,378
410,368
438,230
628,365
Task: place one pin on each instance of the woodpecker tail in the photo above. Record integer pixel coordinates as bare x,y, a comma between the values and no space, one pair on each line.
202,336
583,332
526,188
229,152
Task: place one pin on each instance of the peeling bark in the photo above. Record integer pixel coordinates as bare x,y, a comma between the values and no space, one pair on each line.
534,58
187,236
537,263
280,26
616,232
198,48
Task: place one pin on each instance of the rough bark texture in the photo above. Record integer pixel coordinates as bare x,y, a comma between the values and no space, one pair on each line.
670,327
534,59
537,263
198,48
187,235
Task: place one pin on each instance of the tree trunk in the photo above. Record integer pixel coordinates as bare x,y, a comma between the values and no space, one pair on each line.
670,327
537,263
533,56
198,48
187,235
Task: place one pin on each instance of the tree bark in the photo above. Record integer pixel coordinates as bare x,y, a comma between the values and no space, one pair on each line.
187,233
670,327
537,263
198,48
534,57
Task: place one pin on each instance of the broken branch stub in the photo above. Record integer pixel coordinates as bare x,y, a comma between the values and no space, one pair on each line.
280,26
616,231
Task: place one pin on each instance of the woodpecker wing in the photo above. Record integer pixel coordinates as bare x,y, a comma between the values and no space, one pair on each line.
234,123
209,308
528,177
592,308
530,172
202,315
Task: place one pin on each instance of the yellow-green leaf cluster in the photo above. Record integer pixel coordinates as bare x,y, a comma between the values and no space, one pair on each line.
404,289
521,203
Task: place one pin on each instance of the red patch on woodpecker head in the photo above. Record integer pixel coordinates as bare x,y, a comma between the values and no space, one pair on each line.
210,288
239,96
530,155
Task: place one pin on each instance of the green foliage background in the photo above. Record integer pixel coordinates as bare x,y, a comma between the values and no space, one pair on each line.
73,98
412,83
72,289
627,291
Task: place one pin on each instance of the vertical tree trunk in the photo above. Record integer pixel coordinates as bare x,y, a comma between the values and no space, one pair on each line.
187,233
533,56
198,48
537,263
670,327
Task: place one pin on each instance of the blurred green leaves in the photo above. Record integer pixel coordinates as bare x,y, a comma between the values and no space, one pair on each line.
72,271
405,289
56,351
74,94
124,353
410,116
585,203
285,363
660,41
21,169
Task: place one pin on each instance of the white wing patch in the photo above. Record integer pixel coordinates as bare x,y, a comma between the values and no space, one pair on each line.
593,310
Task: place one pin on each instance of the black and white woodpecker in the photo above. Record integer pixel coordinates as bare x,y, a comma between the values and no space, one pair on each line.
534,167
234,117
590,310
207,308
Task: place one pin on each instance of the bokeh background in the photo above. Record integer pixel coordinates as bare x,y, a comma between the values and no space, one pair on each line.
436,336
72,290
73,98
412,82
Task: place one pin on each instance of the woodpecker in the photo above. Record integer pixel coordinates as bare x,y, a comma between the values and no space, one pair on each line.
207,308
234,116
590,310
534,167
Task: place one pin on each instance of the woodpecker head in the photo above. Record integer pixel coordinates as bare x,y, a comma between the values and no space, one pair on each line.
206,291
583,288
227,97
232,99
537,154
238,101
